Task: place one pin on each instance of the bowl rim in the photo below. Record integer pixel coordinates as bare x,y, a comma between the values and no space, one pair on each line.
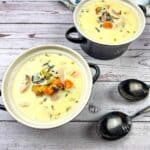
46,126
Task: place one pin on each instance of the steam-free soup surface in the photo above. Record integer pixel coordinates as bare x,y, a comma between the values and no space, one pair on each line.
47,86
108,21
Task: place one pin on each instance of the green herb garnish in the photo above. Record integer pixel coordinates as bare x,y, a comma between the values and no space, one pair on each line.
115,39
58,114
51,115
52,107
45,99
66,94
46,54
97,29
68,108
47,63
101,26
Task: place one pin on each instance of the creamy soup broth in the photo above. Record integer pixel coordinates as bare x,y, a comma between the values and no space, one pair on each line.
47,87
108,21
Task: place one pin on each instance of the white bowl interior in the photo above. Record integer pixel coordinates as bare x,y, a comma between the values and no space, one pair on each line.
135,8
10,73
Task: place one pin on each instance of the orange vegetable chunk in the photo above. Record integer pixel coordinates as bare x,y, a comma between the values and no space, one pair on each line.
68,84
58,83
107,25
49,91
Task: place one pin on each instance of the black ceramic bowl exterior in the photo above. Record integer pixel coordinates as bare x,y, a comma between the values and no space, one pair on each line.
96,50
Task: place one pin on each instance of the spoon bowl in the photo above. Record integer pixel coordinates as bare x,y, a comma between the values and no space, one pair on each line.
133,90
114,125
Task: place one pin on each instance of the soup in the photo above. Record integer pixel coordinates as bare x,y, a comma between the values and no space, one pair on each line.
108,21
47,86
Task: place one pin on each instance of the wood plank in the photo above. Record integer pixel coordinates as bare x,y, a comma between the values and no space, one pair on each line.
27,35
38,31
36,12
5,1
75,136
106,98
127,66
28,6
15,37
29,42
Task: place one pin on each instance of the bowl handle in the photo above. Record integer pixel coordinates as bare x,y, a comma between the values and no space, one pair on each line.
78,39
2,107
145,9
97,71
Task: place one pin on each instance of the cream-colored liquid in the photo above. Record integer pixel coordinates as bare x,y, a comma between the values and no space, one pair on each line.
87,21
31,106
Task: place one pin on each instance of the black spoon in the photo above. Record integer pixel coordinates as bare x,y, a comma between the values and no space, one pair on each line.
116,125
133,90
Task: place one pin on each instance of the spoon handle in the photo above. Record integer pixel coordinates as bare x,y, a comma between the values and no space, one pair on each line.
144,110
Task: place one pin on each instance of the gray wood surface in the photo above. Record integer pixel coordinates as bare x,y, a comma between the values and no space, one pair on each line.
77,136
27,23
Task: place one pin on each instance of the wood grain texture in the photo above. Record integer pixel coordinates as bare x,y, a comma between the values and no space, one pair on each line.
27,23
15,39
106,98
127,66
73,136
35,12
27,35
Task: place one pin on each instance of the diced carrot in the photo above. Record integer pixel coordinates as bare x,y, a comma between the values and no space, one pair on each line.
46,91
49,91
58,83
68,84
107,25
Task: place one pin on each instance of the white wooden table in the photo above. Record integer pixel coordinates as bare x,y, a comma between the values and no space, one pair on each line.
27,23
